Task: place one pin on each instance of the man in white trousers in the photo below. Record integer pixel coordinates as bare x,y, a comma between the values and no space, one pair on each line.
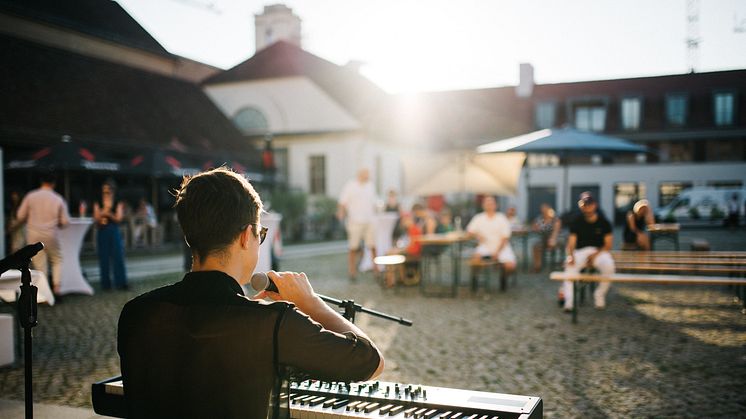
588,245
44,211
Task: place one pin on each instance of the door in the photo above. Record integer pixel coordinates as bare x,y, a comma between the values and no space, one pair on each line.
538,195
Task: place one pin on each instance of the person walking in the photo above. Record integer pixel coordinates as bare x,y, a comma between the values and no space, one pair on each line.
107,214
44,212
357,203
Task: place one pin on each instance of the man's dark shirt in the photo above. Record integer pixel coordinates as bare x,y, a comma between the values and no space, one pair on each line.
200,348
590,234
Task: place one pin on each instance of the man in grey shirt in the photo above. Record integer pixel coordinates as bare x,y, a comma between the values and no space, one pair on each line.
44,211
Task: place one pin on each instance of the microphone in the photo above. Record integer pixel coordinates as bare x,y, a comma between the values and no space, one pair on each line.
21,258
261,282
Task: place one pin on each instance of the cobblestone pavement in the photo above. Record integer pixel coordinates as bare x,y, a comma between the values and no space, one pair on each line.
655,351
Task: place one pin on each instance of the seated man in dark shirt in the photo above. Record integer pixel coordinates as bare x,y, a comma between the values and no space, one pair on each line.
200,348
588,245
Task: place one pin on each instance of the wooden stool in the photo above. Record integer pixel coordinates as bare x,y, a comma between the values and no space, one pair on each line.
393,265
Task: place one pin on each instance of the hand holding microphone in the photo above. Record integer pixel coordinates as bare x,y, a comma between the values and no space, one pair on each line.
289,286
261,282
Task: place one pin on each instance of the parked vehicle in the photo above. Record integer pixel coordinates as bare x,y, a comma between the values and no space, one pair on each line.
701,205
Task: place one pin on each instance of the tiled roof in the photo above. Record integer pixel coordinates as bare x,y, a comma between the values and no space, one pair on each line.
48,92
351,90
104,19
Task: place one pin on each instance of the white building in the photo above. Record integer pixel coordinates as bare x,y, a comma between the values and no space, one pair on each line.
318,114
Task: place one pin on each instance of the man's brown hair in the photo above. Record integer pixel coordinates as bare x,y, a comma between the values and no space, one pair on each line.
213,207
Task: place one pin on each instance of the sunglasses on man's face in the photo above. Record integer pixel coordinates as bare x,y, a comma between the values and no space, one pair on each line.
262,231
262,234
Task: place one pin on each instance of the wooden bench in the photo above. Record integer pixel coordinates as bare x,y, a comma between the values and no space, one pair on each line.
677,268
682,260
627,278
486,265
684,253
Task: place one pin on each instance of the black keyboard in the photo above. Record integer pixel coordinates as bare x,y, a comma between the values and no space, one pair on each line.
371,399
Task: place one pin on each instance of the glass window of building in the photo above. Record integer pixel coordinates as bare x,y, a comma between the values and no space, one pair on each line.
251,121
724,103
631,113
667,191
625,196
676,109
590,118
544,115
725,184
317,174
281,165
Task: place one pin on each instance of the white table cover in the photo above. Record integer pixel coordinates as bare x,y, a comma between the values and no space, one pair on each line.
10,286
384,224
270,220
71,240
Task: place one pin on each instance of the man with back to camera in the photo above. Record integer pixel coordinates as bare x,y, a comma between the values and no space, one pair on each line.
588,245
200,348
358,202
44,211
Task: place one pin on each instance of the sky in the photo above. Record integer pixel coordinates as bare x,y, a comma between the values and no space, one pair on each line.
425,45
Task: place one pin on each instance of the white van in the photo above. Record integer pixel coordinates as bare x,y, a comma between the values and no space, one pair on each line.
701,205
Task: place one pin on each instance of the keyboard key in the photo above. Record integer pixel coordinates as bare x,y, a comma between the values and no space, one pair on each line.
410,412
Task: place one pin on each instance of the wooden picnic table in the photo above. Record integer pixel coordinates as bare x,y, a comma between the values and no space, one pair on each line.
454,241
673,268
682,261
683,253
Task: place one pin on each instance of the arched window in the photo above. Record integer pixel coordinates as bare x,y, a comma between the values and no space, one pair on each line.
251,121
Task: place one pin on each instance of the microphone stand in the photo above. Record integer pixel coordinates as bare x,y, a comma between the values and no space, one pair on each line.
351,308
27,309
27,315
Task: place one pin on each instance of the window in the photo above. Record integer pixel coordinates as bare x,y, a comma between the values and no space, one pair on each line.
725,184
281,165
724,103
631,108
544,115
590,118
676,109
251,121
668,191
317,175
625,196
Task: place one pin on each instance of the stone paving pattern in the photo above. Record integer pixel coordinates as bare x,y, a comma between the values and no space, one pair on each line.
656,351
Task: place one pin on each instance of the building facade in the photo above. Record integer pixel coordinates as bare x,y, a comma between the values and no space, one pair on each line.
693,124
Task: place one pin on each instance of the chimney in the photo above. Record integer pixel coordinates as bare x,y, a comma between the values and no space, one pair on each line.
277,22
354,65
526,82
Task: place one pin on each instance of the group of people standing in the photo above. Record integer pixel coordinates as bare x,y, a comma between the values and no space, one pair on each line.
42,213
